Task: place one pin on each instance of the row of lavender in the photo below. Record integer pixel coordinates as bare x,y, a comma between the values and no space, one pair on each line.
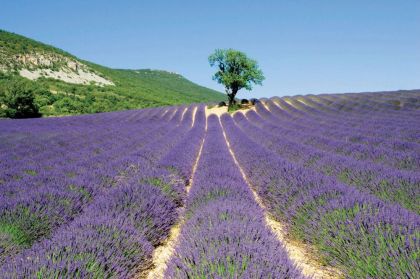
49,175
370,113
350,228
343,140
386,182
127,211
95,199
224,234
392,131
390,101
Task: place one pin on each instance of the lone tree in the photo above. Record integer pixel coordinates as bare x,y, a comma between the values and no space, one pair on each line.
236,71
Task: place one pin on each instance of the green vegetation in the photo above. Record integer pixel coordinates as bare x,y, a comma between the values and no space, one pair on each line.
12,46
16,235
384,246
166,188
236,71
18,100
133,89
23,227
236,106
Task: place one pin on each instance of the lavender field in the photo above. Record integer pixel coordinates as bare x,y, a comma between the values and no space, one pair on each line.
316,186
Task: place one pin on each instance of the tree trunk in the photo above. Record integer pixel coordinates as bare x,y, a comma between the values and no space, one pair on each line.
231,97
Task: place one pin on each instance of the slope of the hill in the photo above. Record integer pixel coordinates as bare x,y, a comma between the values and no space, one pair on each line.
64,84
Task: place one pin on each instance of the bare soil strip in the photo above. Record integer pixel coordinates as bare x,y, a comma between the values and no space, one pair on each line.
193,116
221,110
183,114
163,253
216,110
297,252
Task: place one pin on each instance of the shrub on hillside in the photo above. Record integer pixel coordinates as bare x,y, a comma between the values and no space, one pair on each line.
68,105
44,98
17,100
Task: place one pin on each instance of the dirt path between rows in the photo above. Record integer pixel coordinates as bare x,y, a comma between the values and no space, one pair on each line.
296,251
163,253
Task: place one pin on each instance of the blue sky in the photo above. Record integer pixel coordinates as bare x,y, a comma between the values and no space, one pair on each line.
303,47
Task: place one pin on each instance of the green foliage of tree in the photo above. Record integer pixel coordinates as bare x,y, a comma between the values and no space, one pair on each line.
236,71
17,100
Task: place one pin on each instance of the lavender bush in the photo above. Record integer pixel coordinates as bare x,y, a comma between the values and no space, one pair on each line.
93,196
114,235
333,217
225,235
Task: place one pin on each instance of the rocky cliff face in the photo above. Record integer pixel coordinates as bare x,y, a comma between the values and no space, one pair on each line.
34,65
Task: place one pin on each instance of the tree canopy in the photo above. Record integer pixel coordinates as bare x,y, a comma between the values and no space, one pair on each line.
235,71
17,100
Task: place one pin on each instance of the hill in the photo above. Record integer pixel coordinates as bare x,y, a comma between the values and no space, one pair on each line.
65,84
